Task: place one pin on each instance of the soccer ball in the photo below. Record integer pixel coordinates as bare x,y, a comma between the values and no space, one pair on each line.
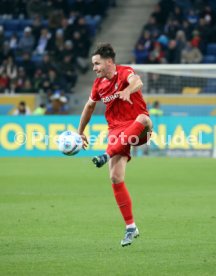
69,143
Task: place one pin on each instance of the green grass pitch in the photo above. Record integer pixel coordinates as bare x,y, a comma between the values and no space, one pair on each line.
58,217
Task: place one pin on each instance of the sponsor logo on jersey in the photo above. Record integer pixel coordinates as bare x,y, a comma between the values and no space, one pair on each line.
110,98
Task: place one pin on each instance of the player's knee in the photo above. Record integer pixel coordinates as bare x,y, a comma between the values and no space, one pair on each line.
116,178
144,119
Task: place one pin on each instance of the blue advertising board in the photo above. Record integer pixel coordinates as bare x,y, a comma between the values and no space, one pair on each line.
37,135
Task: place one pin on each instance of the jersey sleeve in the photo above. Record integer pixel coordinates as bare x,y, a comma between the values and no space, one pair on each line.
127,73
94,96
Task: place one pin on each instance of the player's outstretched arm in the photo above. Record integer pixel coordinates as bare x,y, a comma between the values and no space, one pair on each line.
135,84
85,118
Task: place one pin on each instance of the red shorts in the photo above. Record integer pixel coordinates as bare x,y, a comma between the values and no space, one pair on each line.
114,134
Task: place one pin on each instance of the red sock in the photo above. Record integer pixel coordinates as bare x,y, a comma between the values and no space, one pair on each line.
135,129
123,200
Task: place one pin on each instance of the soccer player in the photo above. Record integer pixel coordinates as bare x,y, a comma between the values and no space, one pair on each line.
118,87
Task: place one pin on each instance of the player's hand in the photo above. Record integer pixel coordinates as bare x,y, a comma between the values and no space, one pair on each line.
125,96
85,141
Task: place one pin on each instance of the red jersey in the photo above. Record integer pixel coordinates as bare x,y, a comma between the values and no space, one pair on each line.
118,112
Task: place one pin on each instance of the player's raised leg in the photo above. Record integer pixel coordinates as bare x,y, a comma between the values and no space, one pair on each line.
146,133
130,135
117,166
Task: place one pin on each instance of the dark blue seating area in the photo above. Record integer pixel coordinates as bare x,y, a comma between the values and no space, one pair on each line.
211,86
211,49
210,56
171,27
47,48
17,26
209,59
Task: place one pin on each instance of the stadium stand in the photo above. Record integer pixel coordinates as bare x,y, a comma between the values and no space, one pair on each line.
177,27
44,45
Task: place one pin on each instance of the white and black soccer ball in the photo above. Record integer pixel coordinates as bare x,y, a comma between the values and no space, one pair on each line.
69,143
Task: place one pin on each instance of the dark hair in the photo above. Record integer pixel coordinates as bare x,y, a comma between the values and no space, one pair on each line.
22,103
105,50
156,104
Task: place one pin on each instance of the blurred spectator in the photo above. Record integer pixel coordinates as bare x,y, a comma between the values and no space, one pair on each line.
163,40
59,41
46,64
55,19
179,21
140,55
27,86
1,37
28,65
49,9
58,105
173,55
192,17
196,39
12,87
11,68
68,50
81,27
6,51
37,26
27,41
40,110
35,7
20,8
43,42
178,14
78,6
155,110
20,79
167,6
171,28
187,29
66,28
69,72
8,73
181,42
191,54
151,24
38,38
61,5
159,15
81,51
13,42
4,80
38,80
51,82
143,47
59,37
157,54
207,31
73,15
145,40
22,109
209,15
59,46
